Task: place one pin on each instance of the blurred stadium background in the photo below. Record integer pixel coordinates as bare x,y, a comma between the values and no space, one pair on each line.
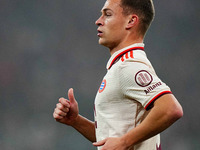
48,46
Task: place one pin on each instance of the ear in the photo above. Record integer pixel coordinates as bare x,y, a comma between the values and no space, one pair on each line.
133,19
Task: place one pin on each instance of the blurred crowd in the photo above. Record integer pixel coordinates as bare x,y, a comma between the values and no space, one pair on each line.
46,47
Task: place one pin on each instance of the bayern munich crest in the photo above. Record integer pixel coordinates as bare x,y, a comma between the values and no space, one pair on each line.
102,86
143,78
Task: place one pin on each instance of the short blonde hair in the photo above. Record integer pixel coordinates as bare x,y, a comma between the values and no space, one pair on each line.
143,8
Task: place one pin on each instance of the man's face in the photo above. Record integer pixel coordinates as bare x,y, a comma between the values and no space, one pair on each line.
112,24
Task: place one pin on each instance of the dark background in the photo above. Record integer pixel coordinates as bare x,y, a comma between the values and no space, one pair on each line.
46,47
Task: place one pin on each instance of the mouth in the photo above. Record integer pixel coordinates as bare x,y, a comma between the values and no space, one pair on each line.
99,34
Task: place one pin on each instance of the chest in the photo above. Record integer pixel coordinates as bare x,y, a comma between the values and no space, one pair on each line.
109,90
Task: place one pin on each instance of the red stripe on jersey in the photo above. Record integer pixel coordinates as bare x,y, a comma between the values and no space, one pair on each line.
122,53
131,54
122,58
156,97
126,55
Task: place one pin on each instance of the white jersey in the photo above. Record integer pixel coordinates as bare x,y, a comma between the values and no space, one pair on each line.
126,94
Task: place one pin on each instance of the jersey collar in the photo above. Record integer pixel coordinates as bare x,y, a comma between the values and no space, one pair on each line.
119,53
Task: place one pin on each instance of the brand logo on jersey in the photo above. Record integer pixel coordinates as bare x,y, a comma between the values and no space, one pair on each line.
151,88
143,78
102,86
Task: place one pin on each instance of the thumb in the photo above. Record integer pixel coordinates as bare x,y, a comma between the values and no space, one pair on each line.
99,143
71,95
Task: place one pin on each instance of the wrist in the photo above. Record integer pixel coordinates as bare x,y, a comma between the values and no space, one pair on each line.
75,121
127,141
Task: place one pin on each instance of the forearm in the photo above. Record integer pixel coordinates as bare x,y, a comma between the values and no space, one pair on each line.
159,118
85,127
144,131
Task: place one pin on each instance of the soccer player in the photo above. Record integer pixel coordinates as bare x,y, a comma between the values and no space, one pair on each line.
132,106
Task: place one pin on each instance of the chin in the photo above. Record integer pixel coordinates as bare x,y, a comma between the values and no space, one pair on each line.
108,44
103,42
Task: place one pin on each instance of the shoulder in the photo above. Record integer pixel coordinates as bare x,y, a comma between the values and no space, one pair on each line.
137,70
134,61
134,57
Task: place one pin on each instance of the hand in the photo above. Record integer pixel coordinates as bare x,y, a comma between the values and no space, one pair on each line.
112,143
67,111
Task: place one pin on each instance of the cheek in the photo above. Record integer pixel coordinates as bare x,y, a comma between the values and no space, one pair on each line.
114,27
116,24
117,30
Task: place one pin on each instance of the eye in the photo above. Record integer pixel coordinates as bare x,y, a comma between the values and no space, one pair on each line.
108,14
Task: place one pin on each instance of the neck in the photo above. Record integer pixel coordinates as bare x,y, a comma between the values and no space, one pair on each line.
124,44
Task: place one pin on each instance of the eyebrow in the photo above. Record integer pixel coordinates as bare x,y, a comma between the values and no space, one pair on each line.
106,9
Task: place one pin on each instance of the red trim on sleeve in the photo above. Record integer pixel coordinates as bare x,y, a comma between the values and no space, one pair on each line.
156,97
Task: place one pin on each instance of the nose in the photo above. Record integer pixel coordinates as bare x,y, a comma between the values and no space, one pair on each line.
99,21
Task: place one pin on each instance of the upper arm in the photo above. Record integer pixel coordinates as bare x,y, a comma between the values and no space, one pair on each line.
169,107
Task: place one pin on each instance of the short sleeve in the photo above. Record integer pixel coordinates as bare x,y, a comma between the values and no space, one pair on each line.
138,81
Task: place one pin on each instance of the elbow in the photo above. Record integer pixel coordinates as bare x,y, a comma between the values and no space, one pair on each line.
179,113
176,113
